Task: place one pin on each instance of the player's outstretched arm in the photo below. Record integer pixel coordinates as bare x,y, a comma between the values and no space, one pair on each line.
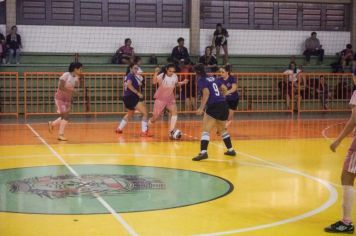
350,125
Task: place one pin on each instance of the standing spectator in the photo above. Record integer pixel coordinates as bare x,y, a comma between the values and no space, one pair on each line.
2,48
13,44
220,40
180,55
348,174
209,60
313,48
126,54
346,56
323,91
63,98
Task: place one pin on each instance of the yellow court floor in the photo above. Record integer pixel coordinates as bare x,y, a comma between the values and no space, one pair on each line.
284,180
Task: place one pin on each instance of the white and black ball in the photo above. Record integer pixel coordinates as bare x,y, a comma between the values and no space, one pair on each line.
176,134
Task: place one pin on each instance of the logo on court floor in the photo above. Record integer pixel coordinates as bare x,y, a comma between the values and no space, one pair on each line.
126,188
63,186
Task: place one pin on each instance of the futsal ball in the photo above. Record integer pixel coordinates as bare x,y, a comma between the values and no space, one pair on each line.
176,134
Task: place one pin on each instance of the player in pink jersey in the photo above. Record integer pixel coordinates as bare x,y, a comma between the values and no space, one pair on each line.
348,173
165,96
63,97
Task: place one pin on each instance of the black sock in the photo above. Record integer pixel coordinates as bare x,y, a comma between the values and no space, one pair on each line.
204,145
227,140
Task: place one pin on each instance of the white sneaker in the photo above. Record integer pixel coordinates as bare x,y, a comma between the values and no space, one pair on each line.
62,138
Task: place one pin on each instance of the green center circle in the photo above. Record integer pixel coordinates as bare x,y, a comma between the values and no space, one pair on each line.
126,188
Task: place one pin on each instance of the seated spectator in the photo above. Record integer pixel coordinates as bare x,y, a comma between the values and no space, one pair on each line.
346,56
209,60
220,40
291,84
13,45
313,48
2,48
125,54
323,92
180,55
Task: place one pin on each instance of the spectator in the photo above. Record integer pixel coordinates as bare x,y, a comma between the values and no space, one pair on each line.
291,84
220,40
346,56
313,48
188,91
2,48
209,60
323,92
180,55
126,54
13,44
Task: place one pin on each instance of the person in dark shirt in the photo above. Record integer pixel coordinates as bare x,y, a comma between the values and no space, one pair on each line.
180,55
13,44
2,48
209,60
215,109
232,96
133,100
220,40
126,53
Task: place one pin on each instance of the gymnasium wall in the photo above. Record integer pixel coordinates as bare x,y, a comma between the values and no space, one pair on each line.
81,39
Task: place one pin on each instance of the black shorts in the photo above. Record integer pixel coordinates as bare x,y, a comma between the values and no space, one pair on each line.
131,101
233,104
218,42
219,111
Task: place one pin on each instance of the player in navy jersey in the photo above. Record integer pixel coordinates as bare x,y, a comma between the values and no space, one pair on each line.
132,100
215,110
232,97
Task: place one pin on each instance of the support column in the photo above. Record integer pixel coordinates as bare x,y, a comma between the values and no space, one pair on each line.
10,14
194,41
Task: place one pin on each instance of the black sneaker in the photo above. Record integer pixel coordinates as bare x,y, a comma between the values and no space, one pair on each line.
201,156
230,153
340,227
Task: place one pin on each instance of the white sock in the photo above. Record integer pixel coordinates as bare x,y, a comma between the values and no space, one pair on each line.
144,125
203,151
348,197
62,125
122,124
173,122
57,121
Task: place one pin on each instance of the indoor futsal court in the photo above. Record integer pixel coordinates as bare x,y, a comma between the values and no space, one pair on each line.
284,180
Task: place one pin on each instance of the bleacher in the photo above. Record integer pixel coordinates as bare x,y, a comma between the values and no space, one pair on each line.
58,62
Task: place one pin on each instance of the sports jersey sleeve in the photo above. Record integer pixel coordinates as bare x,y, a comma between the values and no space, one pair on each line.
159,78
64,77
202,84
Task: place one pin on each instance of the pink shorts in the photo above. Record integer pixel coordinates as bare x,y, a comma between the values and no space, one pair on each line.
350,162
160,105
62,106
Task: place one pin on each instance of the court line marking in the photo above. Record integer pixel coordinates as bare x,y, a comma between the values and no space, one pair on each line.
97,196
333,195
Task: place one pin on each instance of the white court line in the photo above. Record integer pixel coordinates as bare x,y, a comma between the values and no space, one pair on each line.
97,196
332,199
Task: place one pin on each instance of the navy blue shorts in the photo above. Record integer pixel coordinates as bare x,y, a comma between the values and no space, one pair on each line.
131,101
219,111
